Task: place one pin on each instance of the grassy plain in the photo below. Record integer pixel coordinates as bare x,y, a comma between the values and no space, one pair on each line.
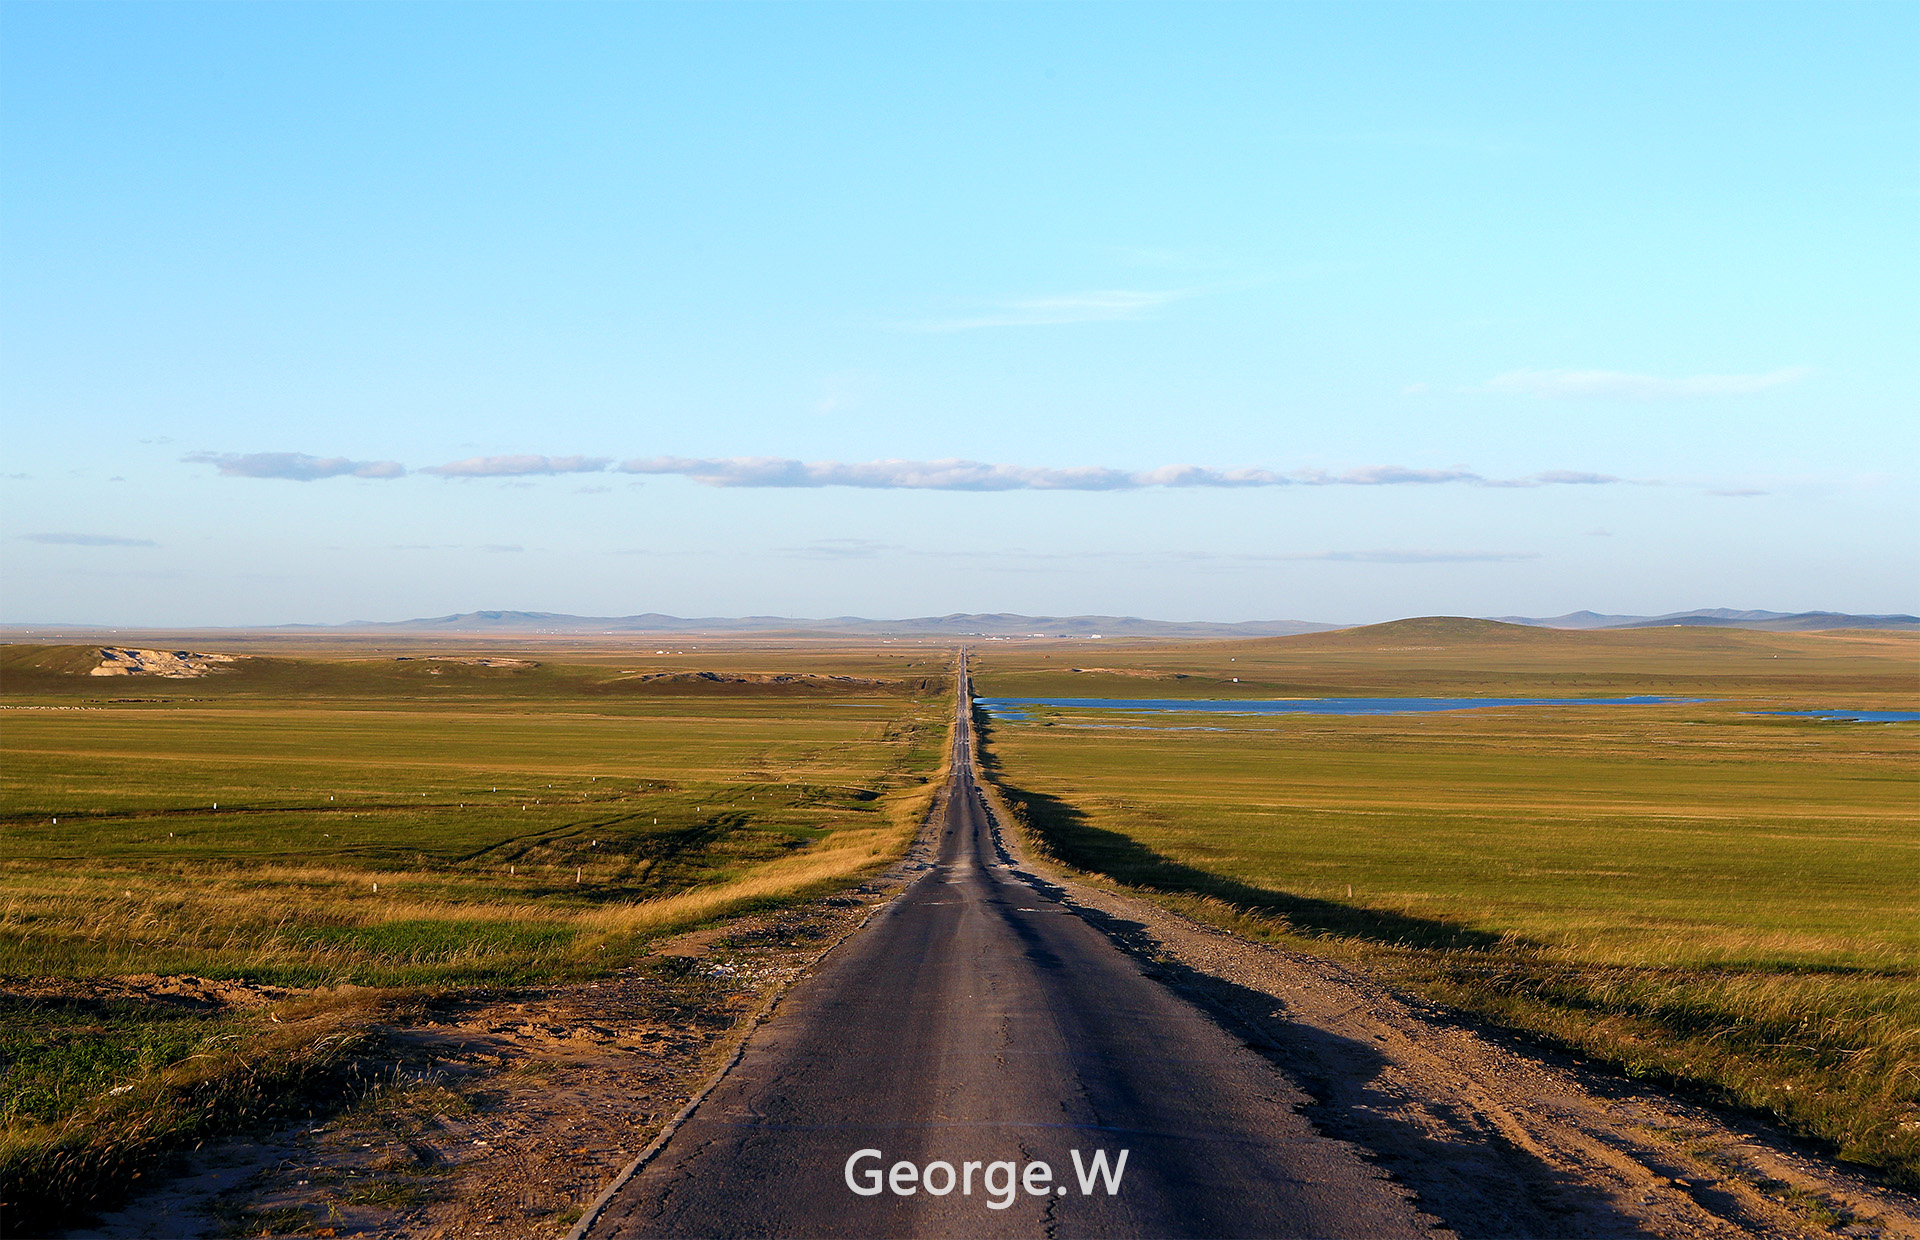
357,825
1696,893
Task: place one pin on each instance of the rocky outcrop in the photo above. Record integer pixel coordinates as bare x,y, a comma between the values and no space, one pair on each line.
172,664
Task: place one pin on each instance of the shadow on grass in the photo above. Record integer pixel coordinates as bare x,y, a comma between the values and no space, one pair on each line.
1068,835
668,858
61,1174
1484,1186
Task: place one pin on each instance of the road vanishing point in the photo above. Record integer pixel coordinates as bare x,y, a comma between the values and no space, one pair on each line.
974,1028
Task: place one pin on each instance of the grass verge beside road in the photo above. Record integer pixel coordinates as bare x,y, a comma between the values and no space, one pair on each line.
318,843
1714,899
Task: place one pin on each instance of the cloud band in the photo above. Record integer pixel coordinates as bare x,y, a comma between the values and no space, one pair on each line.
949,474
519,466
963,475
293,466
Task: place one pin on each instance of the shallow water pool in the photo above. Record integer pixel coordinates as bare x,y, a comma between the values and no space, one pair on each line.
1850,716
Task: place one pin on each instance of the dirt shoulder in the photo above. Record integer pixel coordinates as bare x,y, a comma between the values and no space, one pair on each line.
505,1114
1496,1137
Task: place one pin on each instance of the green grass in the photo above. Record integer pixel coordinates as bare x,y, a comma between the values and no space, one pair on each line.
394,824
62,1053
486,826
1694,894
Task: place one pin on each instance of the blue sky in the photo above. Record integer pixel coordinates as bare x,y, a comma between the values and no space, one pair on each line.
315,313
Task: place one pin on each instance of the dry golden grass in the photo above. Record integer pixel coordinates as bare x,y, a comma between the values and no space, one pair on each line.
381,825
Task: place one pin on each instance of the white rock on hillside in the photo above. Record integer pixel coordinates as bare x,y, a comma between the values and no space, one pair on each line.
173,664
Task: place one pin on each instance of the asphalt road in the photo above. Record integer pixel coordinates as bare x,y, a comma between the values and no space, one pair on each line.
976,1020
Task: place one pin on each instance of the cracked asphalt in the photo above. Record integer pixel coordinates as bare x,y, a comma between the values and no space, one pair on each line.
977,1019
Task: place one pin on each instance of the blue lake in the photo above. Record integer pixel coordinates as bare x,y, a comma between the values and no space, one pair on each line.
1018,708
1850,716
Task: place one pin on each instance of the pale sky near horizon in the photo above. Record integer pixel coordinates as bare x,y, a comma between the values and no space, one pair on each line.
1329,312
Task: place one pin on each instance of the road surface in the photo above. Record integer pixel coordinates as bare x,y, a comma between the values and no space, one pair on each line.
976,1020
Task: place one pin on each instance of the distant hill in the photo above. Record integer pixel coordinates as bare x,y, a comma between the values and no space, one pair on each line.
960,624
1572,620
1432,633
1721,617
1437,640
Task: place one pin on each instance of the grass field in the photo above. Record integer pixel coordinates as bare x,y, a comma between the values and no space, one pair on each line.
395,822
1695,893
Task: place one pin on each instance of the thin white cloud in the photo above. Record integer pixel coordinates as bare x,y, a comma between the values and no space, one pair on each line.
1569,477
860,548
962,475
840,549
1409,557
1097,306
1619,385
90,540
1386,476
293,466
518,466
943,475
1553,478
1333,557
1742,493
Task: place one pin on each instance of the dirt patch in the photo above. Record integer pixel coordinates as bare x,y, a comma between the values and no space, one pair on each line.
505,1114
465,660
198,993
171,664
693,945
